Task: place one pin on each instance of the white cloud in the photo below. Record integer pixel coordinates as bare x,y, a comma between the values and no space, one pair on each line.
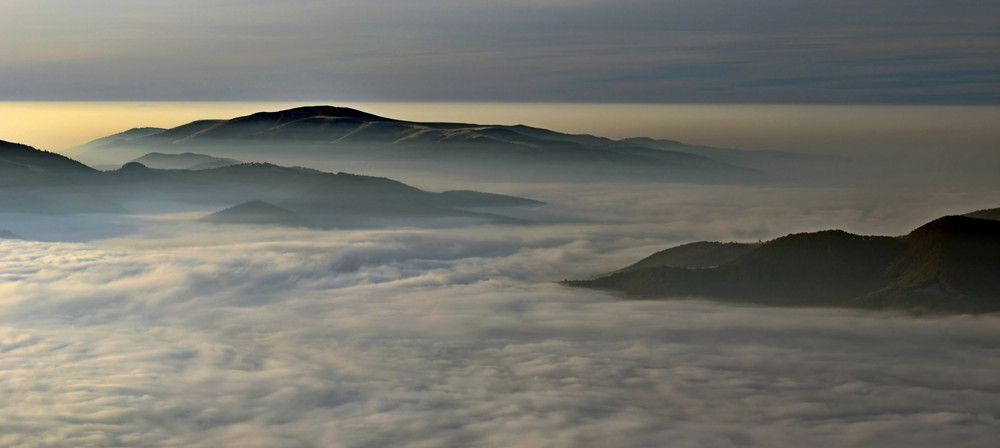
450,338
176,333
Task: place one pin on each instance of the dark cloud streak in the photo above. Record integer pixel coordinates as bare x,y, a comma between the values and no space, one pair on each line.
483,51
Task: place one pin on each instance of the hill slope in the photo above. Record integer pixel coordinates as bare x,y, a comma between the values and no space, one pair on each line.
36,181
259,213
17,160
947,265
701,254
991,213
184,161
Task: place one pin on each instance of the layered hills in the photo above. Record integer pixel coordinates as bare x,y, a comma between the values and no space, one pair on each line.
947,265
51,183
349,137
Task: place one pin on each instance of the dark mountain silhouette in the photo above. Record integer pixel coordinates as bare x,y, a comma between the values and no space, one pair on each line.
19,162
184,161
259,213
947,265
347,136
951,263
50,183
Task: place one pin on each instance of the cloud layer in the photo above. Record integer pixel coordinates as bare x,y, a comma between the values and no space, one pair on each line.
449,338
775,51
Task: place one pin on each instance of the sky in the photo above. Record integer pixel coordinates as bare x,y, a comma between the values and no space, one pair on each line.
622,51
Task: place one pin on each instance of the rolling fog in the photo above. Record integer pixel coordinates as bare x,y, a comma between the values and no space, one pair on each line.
157,330
177,333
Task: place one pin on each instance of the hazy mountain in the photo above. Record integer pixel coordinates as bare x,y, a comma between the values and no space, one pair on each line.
20,163
791,166
337,135
756,158
948,265
36,181
259,213
8,235
50,183
184,161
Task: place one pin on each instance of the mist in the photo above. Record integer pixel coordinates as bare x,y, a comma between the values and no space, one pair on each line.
189,336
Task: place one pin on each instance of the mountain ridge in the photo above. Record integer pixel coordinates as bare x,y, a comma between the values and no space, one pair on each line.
947,265
337,134
327,200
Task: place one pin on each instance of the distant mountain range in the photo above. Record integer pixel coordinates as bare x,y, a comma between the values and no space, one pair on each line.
948,265
34,181
349,137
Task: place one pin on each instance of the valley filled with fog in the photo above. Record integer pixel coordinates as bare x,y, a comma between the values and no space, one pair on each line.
156,328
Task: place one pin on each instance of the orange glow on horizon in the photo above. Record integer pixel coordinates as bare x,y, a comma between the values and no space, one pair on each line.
56,126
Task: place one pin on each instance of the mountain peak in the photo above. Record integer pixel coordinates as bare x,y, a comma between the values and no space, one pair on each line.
133,167
257,212
315,111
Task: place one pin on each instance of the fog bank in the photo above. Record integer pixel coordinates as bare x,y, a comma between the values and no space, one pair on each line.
449,338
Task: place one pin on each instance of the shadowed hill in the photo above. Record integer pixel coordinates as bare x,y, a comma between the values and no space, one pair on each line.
952,263
22,166
16,157
35,181
258,213
185,161
947,265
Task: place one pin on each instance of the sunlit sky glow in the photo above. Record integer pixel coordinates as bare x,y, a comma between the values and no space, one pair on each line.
717,51
56,126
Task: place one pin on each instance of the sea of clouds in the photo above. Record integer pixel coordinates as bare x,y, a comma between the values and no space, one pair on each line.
182,334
